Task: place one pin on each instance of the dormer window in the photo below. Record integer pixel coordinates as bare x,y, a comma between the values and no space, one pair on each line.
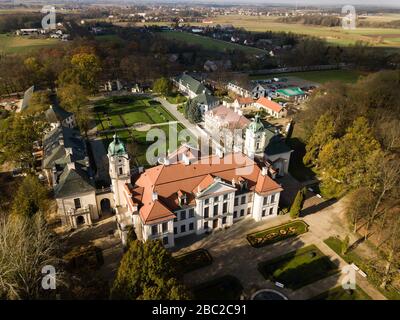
182,198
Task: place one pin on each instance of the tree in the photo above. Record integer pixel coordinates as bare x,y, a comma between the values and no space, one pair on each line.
26,246
17,135
162,86
39,102
193,112
393,249
349,162
73,97
146,272
30,198
84,70
297,204
323,133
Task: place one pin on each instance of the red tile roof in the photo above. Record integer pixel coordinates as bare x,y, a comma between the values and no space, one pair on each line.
269,104
229,118
168,180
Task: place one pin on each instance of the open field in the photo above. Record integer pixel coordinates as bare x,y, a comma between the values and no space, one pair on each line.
119,114
15,44
382,37
207,43
346,76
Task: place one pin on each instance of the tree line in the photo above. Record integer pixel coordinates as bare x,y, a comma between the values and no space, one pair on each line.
352,135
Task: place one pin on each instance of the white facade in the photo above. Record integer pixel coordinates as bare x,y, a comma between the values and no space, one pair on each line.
219,206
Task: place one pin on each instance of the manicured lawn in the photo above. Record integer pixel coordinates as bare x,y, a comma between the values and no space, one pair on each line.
123,112
298,268
373,277
339,293
345,76
193,260
16,44
207,42
223,288
284,231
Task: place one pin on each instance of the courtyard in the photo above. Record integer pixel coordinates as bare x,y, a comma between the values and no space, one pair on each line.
233,256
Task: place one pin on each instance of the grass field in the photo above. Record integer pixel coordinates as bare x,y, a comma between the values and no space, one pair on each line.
382,37
123,112
298,268
16,44
208,43
346,76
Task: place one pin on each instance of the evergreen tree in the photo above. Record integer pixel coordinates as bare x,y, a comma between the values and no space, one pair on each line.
297,204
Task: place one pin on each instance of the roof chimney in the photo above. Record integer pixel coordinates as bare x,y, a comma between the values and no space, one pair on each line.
71,165
154,196
185,159
219,152
264,171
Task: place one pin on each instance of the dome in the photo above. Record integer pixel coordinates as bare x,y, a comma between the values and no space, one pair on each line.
116,147
256,125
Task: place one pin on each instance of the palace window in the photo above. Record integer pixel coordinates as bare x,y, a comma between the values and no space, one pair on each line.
225,197
242,212
248,211
263,212
206,225
234,214
165,227
207,201
191,213
120,170
236,201
273,198
77,203
243,201
223,220
225,208
265,201
216,199
183,228
271,211
250,198
154,230
215,210
191,226
183,215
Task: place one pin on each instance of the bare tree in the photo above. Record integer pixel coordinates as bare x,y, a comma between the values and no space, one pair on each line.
26,246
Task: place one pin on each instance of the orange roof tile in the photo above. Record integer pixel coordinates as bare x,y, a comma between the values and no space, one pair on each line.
167,180
269,104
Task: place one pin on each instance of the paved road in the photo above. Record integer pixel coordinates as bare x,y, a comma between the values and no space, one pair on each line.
172,108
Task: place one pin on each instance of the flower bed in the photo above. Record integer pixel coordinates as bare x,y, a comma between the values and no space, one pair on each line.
193,260
275,234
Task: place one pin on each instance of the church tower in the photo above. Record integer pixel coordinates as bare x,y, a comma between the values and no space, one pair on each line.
255,138
120,172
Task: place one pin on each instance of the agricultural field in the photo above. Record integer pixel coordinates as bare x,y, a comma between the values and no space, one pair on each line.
208,43
380,37
321,77
132,118
16,44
